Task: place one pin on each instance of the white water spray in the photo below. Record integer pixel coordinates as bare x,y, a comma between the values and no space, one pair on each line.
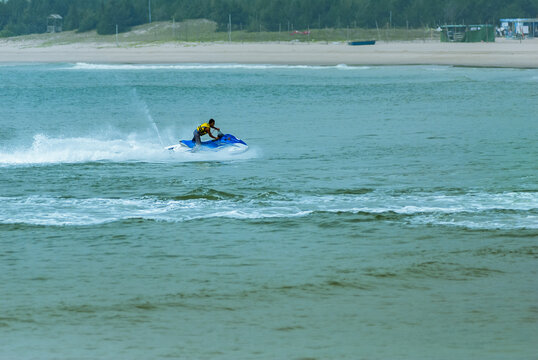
145,109
58,150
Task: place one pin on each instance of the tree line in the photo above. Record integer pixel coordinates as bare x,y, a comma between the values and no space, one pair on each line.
19,17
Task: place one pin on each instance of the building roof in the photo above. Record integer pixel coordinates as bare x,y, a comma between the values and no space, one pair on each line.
521,20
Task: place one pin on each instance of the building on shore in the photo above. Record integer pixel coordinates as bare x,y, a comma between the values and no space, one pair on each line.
519,28
467,33
54,23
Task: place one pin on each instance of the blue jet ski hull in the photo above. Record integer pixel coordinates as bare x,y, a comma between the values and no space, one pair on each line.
227,140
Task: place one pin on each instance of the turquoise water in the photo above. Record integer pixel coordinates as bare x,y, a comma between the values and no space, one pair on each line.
379,213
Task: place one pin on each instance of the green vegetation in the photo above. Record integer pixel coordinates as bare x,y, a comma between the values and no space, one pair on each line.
195,31
254,18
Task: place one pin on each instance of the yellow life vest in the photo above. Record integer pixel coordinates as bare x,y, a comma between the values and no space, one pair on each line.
203,129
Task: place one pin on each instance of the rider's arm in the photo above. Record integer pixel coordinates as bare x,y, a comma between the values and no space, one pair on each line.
209,133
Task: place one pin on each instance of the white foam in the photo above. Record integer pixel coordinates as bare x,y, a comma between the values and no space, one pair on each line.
89,66
513,210
346,67
481,223
39,210
437,68
420,203
48,150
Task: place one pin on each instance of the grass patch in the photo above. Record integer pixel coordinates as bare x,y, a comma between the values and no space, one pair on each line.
192,31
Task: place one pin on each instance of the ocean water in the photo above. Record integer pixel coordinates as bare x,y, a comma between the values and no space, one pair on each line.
379,213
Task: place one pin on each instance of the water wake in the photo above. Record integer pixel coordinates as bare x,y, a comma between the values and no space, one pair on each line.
48,150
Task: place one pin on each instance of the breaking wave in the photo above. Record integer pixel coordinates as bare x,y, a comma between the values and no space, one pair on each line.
511,210
88,66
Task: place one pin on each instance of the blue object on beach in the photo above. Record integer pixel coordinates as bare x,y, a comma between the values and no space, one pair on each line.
358,43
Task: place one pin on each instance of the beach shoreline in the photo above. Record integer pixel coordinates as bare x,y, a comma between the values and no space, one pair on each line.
503,53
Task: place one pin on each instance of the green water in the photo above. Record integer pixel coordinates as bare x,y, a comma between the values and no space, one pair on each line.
379,213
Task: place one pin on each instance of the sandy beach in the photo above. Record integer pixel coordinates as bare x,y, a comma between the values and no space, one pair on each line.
503,53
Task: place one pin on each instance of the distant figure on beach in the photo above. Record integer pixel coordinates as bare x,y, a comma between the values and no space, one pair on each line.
203,129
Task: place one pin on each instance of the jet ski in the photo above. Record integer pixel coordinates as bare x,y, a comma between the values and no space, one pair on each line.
227,141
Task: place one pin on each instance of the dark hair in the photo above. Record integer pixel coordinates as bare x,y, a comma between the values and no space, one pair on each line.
211,121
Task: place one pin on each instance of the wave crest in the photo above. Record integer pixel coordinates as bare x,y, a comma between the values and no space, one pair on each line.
89,66
513,210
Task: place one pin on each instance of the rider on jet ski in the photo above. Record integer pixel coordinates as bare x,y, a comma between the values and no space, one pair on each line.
203,129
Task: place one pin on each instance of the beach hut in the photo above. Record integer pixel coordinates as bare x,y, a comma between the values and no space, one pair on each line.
467,33
519,28
480,33
452,33
54,23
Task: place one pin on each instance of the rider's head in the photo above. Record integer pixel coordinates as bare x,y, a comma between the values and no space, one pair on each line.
211,122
